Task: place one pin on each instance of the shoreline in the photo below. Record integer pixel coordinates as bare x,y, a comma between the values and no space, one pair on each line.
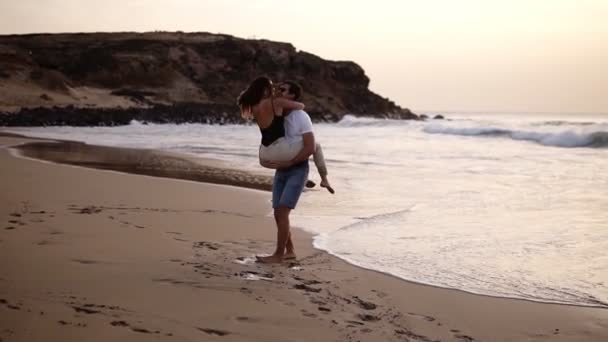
387,274
140,161
425,311
149,163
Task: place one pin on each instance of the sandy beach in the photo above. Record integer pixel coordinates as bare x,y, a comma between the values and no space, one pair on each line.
98,255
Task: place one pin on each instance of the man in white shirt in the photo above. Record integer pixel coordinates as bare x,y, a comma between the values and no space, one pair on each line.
297,123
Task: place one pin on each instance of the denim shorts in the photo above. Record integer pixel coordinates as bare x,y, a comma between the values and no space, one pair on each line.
288,185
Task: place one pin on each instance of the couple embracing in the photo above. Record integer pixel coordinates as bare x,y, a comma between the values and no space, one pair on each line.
287,143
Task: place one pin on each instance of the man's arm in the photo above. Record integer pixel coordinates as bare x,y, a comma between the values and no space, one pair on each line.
307,150
266,163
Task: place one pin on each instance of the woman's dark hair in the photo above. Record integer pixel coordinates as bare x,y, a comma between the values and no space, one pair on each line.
295,89
255,92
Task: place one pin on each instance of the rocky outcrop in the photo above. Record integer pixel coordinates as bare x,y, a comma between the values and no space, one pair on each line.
112,78
74,116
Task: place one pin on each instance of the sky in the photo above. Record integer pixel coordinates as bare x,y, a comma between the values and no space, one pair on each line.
429,56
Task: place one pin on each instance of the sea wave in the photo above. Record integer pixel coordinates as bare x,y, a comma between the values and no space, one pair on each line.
564,123
354,121
596,137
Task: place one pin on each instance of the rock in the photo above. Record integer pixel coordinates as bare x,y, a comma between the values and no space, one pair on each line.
169,77
438,117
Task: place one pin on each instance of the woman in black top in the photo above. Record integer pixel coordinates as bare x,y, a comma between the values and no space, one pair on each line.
258,101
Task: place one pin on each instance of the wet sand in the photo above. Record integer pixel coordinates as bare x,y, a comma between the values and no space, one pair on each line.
97,255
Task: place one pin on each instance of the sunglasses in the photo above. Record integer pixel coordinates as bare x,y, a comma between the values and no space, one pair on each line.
283,89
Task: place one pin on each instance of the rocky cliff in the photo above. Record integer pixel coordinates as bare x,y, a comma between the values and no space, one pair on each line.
111,78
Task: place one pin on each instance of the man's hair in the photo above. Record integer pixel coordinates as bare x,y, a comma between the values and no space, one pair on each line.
295,89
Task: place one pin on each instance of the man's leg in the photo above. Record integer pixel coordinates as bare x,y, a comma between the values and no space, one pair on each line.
281,217
287,189
278,187
290,252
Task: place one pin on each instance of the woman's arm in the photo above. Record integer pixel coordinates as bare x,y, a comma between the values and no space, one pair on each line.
285,104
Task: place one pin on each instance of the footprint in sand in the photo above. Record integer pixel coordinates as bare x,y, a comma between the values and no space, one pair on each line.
425,317
136,329
81,325
119,324
85,310
215,332
355,322
245,260
9,305
245,290
308,314
205,244
306,288
248,319
465,338
368,318
85,261
364,304
317,301
253,275
86,210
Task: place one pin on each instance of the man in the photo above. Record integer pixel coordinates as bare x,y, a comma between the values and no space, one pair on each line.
290,176
292,91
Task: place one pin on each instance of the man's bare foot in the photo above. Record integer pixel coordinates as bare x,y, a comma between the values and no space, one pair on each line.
289,256
272,259
310,184
325,184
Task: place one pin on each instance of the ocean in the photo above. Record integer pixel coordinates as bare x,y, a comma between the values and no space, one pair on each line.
508,205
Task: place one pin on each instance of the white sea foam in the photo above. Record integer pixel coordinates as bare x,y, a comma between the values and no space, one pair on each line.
491,205
560,135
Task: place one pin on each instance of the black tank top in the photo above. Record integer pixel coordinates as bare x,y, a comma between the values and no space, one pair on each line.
275,130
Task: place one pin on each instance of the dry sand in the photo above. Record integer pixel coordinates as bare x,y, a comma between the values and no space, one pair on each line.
16,94
97,255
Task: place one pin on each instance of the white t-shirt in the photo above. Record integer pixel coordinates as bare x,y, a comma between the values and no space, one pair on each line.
297,123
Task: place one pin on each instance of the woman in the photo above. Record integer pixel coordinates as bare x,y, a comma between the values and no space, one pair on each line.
258,101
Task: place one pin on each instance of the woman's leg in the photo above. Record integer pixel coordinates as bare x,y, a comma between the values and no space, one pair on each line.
280,150
319,159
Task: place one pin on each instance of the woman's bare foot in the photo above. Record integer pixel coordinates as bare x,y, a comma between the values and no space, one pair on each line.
325,184
272,259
